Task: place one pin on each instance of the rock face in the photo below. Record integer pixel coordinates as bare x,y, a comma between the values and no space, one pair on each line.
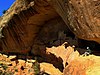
82,17
32,25
23,22
73,62
50,35
86,66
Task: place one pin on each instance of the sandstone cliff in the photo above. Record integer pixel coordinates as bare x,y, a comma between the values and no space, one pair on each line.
25,18
22,23
30,26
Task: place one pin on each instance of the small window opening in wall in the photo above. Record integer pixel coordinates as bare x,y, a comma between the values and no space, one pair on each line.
5,5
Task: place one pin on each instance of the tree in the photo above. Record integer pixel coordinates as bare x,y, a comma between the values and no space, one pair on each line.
4,11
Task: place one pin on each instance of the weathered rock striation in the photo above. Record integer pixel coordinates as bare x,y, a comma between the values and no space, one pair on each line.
22,23
30,25
81,16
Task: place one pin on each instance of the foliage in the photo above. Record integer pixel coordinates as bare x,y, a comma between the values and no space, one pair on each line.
4,11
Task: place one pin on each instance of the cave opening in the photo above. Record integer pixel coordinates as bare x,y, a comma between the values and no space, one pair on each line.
55,34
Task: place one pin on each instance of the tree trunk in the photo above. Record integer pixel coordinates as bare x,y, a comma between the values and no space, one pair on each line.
81,16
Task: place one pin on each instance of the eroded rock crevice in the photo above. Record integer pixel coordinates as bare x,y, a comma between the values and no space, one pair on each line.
32,27
23,25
